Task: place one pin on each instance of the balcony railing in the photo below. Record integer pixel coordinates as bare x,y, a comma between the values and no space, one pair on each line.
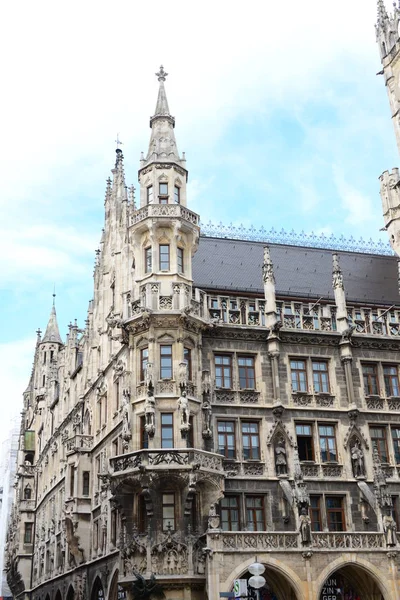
165,210
348,541
79,443
171,459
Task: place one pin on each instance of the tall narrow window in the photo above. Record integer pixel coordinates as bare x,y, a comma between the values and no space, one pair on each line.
378,439
180,262
396,443
148,260
223,371
85,483
113,533
168,511
391,377
177,194
327,443
251,441
299,375
305,441
163,193
246,372
187,357
28,533
164,257
315,513
370,377
166,362
255,513
142,516
116,395
320,376
335,513
144,359
72,481
230,513
167,430
226,439
150,194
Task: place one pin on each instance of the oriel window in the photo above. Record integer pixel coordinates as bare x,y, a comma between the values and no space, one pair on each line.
299,375
180,257
144,360
150,195
251,440
391,376
246,372
327,443
166,362
28,534
370,377
223,371
85,483
187,357
164,257
163,193
148,260
167,430
177,194
320,376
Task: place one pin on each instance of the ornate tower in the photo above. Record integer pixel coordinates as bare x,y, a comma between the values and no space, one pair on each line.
387,35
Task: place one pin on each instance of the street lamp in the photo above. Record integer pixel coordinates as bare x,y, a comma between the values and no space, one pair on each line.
257,581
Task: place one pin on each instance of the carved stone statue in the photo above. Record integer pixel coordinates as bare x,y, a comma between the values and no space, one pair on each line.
348,333
75,550
149,375
305,527
184,411
280,458
150,414
207,413
357,460
183,375
389,528
213,518
126,421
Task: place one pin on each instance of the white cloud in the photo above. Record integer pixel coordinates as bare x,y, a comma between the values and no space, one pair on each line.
357,206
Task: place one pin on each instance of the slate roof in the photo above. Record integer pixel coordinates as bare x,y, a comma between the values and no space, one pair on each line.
236,266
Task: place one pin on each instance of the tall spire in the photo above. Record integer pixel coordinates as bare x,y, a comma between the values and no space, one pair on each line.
52,333
162,146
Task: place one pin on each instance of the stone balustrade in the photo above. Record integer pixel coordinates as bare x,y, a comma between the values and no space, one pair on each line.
79,443
165,210
171,459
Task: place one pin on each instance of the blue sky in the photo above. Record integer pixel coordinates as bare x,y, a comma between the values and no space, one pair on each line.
278,107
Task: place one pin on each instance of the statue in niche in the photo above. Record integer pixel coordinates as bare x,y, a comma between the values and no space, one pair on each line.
207,413
149,376
280,457
183,375
150,414
357,460
126,428
213,517
305,527
389,528
184,411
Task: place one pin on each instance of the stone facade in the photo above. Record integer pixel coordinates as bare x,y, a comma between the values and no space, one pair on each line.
184,433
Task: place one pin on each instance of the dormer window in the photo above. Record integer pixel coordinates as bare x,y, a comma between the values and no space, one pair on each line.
163,193
150,196
177,194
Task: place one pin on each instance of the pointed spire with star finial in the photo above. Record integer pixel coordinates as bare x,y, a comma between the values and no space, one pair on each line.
162,146
52,333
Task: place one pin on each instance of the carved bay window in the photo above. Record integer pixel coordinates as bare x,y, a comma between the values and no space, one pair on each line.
163,192
177,194
150,194
164,257
187,358
180,255
28,533
148,260
144,359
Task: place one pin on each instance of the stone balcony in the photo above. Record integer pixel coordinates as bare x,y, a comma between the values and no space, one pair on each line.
166,459
79,443
260,541
165,210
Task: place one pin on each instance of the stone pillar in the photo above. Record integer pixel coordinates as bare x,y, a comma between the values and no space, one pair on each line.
269,289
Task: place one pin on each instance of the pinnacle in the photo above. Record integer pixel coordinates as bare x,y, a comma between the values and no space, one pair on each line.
382,12
52,333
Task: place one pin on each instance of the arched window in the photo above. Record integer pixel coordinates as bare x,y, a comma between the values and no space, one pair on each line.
87,423
27,492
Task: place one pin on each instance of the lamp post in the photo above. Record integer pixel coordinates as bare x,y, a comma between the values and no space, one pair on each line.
256,581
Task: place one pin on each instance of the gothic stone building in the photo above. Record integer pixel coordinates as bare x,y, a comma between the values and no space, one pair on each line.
226,402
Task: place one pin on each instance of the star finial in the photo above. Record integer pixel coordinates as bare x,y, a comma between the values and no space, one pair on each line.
118,141
161,75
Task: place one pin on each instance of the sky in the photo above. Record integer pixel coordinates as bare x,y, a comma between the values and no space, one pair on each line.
278,107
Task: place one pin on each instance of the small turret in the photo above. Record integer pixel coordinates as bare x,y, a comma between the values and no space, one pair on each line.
390,195
387,28
52,333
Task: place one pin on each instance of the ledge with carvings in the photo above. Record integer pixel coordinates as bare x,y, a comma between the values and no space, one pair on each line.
376,402
306,399
164,210
166,387
228,396
166,459
325,470
233,468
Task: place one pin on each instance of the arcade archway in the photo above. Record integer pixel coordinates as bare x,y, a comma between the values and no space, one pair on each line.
71,593
97,590
277,586
58,595
351,582
116,591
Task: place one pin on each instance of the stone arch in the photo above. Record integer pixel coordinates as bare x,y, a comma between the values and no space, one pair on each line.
58,595
113,590
71,593
274,566
354,564
47,597
97,590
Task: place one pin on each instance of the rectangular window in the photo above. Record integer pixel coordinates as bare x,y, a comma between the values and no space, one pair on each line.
396,443
144,359
163,190
315,513
180,260
177,194
255,513
115,447
320,377
164,257
187,357
167,430
104,407
226,439
327,443
28,533
391,377
335,513
378,439
230,513
305,441
251,441
85,483
299,375
168,512
148,260
223,371
144,436
246,372
150,194
370,377
72,482
166,362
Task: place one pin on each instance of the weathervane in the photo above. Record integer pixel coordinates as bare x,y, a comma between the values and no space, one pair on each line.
118,141
161,74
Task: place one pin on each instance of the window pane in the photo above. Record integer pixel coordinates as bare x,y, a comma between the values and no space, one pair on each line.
177,195
163,189
164,257
150,194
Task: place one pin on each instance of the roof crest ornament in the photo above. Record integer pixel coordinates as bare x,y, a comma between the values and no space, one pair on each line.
118,141
161,75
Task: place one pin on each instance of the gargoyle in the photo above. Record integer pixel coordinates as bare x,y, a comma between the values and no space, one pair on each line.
144,590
